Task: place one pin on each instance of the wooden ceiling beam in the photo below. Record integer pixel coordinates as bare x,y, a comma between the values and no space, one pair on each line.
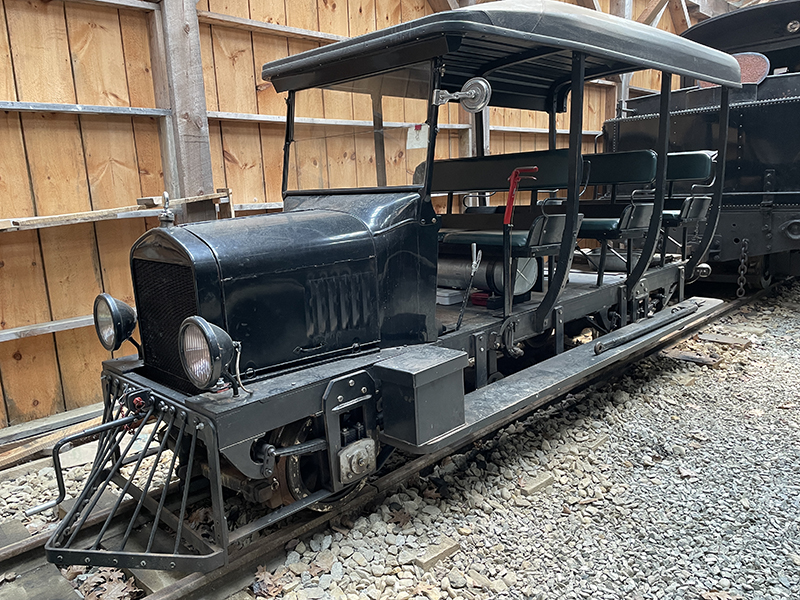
680,15
593,4
443,5
650,14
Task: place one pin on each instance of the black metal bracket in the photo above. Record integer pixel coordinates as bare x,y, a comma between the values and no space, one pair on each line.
343,394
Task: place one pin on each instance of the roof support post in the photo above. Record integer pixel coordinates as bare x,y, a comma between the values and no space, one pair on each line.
719,181
575,162
662,148
189,120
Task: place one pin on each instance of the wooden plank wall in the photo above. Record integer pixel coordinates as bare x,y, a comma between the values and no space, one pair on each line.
64,52
58,163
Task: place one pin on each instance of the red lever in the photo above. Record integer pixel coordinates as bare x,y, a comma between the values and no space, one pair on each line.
516,176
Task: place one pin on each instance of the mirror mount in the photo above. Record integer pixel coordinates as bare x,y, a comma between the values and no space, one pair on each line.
474,95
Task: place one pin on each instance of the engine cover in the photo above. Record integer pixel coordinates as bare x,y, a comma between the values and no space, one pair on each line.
293,286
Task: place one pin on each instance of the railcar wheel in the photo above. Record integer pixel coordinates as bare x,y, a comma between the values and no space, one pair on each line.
304,474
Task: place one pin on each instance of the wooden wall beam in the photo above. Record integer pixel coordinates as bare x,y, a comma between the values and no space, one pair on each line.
184,86
83,109
443,5
649,16
680,15
228,116
145,5
211,18
593,4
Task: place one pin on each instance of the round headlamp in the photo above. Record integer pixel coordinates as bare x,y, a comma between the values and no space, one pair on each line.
114,321
206,351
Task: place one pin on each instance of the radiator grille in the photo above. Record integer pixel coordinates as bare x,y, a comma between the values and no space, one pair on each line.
165,296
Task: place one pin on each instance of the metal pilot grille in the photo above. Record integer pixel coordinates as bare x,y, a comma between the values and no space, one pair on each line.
135,509
165,296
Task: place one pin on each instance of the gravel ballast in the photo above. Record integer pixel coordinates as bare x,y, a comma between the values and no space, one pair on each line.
673,481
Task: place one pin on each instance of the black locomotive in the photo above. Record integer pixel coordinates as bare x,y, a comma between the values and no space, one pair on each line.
284,356
759,229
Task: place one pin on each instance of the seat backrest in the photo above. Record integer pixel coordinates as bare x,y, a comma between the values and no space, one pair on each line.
636,216
546,230
634,167
691,166
484,210
491,173
695,208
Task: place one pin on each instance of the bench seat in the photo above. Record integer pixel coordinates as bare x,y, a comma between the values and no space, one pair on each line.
599,228
482,237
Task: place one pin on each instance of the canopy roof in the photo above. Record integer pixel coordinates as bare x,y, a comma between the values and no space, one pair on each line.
523,47
763,28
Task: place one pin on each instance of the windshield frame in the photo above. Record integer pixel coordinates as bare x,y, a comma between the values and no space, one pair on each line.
431,121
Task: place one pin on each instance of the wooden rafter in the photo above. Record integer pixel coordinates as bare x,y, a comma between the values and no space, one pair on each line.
593,4
443,5
651,12
680,15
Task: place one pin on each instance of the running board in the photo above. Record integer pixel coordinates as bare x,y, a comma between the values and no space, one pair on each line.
552,378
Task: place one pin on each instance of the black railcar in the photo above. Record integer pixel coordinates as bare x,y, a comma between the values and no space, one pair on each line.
759,227
284,356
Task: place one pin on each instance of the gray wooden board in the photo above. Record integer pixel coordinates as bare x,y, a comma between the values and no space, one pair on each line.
51,423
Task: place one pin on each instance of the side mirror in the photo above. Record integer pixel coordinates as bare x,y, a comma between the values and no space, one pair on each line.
474,95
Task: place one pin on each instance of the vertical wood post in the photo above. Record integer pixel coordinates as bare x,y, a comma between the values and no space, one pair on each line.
191,161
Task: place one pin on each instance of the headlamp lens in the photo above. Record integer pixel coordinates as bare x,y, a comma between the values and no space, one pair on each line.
196,355
104,321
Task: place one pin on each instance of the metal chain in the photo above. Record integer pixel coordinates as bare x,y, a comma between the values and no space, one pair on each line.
742,281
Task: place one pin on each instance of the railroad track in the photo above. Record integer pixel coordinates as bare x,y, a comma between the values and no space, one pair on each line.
26,554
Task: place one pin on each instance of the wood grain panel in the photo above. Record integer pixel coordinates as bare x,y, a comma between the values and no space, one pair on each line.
272,137
302,14
341,156
233,67
235,8
267,48
31,383
207,58
387,13
98,61
38,35
80,358
217,159
8,89
241,149
413,9
138,66
15,189
268,11
114,240
332,16
362,16
110,161
73,271
148,156
55,155
22,288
